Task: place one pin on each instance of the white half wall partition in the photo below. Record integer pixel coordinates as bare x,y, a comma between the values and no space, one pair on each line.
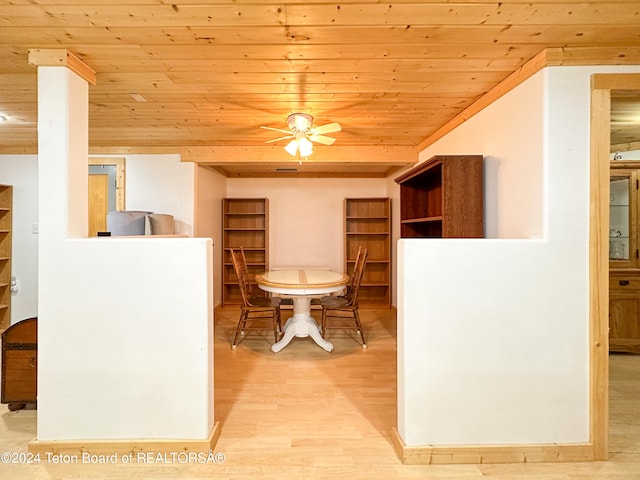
125,325
125,340
493,334
492,344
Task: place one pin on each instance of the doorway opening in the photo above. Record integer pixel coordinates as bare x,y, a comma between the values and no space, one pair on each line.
106,191
602,86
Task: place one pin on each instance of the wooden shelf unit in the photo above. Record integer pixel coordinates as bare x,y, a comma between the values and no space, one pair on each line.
367,222
443,198
245,223
6,205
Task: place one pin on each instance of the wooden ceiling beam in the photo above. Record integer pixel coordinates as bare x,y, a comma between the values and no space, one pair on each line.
220,155
115,59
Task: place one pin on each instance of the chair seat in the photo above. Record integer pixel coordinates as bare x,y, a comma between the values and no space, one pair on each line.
324,298
335,307
253,307
335,302
269,302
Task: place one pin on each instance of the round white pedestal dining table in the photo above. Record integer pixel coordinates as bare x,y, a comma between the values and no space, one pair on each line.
301,284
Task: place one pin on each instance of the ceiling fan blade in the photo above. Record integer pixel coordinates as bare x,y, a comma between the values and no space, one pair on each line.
281,138
328,128
322,139
276,129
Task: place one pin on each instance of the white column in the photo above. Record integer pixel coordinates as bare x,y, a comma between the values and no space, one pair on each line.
62,172
125,326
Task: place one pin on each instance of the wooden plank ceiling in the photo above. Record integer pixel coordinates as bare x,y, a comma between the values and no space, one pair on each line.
189,73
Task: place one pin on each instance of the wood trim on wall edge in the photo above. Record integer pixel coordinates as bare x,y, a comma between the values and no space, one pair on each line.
126,446
61,57
479,454
599,273
567,56
601,86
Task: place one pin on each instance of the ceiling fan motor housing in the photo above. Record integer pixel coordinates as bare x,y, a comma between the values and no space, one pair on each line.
300,122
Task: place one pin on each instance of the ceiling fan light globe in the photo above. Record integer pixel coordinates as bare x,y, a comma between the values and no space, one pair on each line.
306,153
292,147
306,147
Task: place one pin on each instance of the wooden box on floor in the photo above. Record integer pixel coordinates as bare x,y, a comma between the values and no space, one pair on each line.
20,364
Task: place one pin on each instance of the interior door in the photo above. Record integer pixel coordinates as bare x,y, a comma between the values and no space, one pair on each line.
98,203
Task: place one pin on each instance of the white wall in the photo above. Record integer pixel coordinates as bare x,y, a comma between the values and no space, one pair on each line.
493,342
464,329
510,139
306,215
630,155
170,191
125,340
161,184
21,171
125,327
211,187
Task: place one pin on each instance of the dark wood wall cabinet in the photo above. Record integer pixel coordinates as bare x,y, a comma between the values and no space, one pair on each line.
20,364
443,198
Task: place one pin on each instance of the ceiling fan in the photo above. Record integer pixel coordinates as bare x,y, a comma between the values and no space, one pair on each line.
302,132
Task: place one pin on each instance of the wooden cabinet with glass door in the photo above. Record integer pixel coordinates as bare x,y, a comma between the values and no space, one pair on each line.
624,257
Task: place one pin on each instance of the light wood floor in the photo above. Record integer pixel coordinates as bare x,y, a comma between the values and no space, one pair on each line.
307,414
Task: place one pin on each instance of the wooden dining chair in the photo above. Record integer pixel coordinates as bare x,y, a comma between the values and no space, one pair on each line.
354,274
254,291
242,263
253,307
344,308
317,302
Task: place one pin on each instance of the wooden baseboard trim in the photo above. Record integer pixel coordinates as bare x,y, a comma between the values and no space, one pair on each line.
477,454
76,448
